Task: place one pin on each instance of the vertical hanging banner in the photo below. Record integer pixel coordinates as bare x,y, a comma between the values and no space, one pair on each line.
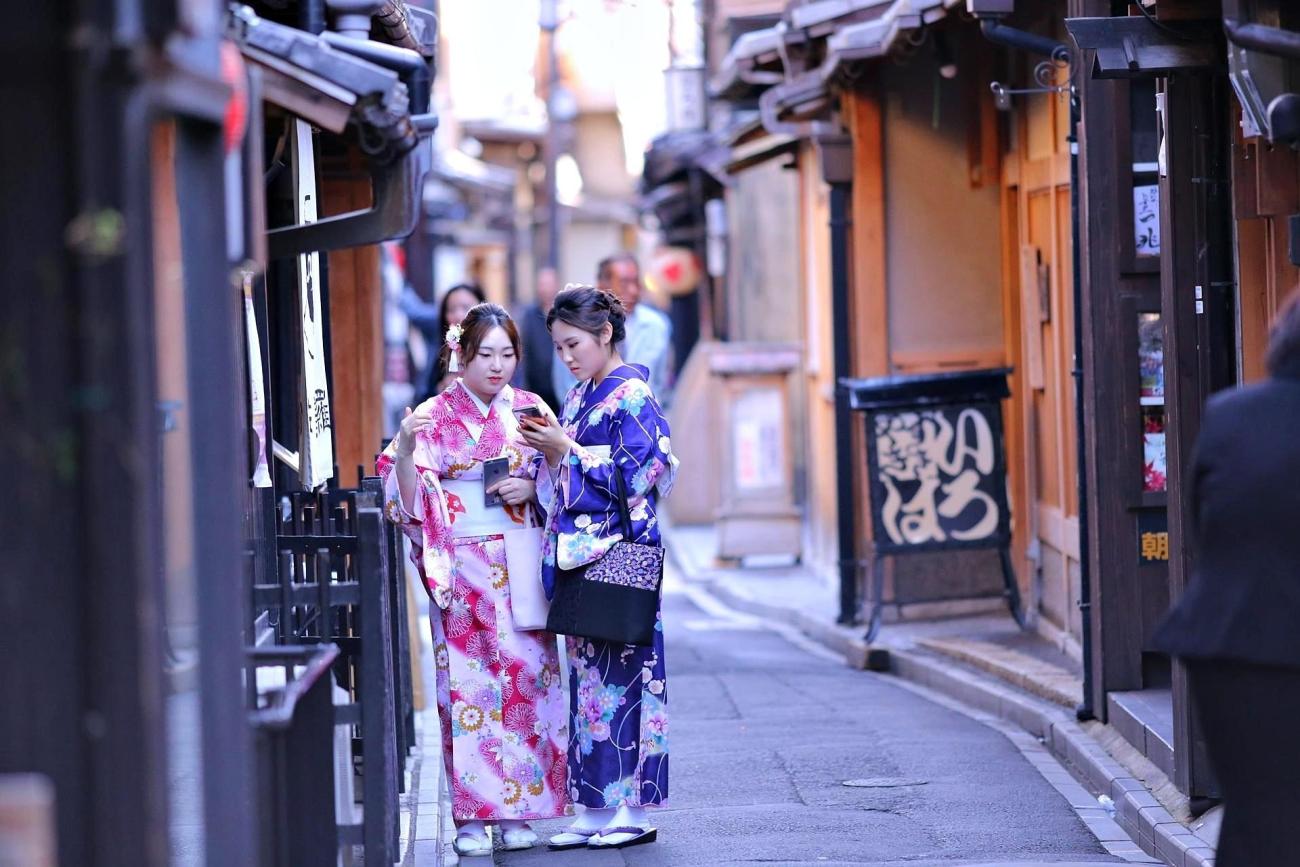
317,455
256,393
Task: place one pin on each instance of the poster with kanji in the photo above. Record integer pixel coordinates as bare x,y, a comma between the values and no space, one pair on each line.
938,478
316,459
758,448
1146,219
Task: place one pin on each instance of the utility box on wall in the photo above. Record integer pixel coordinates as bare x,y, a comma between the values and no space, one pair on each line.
758,515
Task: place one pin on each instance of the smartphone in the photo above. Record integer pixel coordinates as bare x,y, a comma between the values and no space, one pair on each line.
528,412
494,470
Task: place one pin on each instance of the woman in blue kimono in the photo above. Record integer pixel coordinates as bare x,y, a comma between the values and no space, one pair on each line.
618,694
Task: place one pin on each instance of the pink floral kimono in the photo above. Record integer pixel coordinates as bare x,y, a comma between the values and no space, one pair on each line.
499,697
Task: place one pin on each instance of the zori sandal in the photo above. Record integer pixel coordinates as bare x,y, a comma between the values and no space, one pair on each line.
623,836
517,839
571,838
473,845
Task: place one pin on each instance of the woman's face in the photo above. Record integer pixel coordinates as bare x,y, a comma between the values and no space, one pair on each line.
581,351
492,366
459,303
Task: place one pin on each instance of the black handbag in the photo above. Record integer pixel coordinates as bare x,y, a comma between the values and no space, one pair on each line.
616,598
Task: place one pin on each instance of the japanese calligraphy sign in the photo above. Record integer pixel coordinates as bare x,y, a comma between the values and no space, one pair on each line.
1153,537
936,463
317,457
1146,219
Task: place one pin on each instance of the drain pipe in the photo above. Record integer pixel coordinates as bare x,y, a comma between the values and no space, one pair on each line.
1085,710
311,16
1261,37
844,499
1022,40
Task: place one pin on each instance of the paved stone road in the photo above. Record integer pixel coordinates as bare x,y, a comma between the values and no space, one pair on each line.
765,732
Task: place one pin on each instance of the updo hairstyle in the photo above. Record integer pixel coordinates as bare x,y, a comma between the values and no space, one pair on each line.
589,308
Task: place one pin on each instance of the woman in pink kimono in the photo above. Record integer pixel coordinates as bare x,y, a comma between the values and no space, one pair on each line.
499,697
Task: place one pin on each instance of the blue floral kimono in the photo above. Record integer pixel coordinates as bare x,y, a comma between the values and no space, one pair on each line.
618,694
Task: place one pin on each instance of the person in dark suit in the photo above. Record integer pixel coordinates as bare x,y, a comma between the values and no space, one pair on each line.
1237,625
535,373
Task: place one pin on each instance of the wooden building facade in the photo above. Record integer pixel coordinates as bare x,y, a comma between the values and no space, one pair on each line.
156,241
1113,227
959,243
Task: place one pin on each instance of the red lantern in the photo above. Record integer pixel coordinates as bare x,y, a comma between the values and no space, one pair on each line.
675,270
233,73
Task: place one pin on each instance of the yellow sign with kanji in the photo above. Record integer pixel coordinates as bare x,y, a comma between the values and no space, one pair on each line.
1155,546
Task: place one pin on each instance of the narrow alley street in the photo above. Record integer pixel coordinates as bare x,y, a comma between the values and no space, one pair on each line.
782,755
899,391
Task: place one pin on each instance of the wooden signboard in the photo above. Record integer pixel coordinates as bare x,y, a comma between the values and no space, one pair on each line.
938,480
936,465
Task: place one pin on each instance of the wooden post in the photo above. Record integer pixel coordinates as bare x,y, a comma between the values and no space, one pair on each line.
356,301
378,733
869,295
1197,301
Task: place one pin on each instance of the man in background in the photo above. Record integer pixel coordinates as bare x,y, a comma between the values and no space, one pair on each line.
536,373
649,331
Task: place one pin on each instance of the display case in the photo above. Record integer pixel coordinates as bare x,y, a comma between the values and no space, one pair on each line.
1151,398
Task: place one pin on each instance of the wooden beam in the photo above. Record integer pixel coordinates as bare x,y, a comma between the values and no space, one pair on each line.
870,300
356,323
1016,407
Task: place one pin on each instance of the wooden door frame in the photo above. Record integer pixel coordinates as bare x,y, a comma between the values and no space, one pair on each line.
1048,176
1196,257
1111,294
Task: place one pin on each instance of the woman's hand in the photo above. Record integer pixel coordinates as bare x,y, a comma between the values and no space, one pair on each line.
515,492
408,483
546,435
413,423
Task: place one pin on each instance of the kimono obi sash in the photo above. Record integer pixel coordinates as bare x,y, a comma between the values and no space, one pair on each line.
469,517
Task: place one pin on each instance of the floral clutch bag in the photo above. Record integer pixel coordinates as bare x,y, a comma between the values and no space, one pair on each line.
616,598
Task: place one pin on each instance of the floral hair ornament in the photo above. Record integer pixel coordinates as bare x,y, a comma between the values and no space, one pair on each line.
453,343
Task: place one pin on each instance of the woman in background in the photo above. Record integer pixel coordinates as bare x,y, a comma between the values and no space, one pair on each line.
433,320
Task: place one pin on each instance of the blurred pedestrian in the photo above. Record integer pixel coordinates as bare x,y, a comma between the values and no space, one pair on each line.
649,331
1237,625
498,687
618,693
535,373
433,320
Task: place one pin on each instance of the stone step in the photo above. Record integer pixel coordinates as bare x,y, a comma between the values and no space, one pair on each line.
1036,676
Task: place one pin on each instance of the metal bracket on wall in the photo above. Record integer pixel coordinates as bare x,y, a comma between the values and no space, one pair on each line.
1044,78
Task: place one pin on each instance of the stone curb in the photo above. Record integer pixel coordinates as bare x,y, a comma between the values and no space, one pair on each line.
1042,679
426,812
1138,815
